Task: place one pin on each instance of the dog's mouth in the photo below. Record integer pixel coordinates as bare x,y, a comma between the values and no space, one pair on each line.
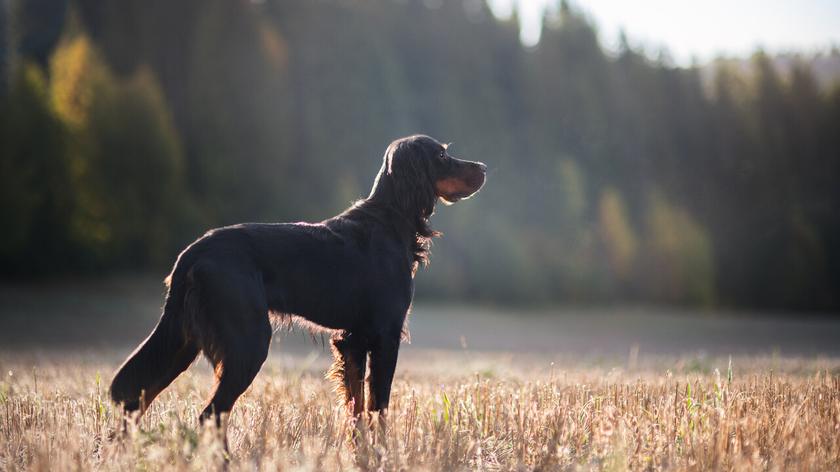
453,189
449,200
455,197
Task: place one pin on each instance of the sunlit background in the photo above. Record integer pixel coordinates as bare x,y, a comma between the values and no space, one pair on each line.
696,31
672,158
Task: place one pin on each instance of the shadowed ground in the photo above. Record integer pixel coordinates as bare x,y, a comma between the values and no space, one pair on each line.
116,314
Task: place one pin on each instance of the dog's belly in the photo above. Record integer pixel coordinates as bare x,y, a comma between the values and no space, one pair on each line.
317,321
332,309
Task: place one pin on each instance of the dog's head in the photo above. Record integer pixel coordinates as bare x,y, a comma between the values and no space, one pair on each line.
416,172
420,170
455,179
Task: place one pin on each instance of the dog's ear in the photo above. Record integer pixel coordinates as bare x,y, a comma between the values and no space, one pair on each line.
413,186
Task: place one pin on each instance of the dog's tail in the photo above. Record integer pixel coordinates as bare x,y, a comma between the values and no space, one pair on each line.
166,353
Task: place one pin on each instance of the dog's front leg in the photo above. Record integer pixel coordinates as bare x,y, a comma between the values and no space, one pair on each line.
348,370
383,362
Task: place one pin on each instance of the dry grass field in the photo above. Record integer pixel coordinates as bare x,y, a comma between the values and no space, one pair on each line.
486,412
479,388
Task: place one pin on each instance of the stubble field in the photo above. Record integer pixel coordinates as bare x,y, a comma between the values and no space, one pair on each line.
480,388
764,414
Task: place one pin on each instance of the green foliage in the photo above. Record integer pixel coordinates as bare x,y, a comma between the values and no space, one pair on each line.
127,162
613,176
618,237
93,168
680,264
35,182
134,176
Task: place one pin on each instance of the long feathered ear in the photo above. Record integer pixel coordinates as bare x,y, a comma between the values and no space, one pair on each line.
413,186
414,194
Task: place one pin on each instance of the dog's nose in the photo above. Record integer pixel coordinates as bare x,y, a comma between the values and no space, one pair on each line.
482,166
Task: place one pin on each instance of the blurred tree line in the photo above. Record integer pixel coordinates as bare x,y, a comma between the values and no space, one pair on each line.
130,127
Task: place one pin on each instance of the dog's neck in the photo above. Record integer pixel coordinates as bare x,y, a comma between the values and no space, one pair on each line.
409,219
408,228
410,208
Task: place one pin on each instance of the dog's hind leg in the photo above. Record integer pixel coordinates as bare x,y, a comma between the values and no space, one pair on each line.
235,370
233,330
238,357
348,370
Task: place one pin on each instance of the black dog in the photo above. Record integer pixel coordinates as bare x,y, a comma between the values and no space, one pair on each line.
352,275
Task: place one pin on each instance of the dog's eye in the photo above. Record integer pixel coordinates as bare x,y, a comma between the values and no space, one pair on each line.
442,155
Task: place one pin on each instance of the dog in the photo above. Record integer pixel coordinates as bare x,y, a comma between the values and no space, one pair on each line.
351,275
